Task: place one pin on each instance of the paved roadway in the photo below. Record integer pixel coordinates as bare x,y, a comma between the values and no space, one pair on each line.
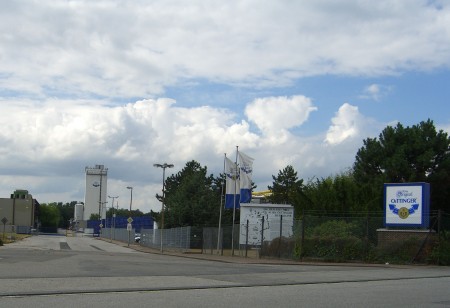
42,271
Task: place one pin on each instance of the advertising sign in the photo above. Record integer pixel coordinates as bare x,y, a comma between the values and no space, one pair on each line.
407,204
278,218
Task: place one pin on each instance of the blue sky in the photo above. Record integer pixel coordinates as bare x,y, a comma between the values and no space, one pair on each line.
131,83
408,97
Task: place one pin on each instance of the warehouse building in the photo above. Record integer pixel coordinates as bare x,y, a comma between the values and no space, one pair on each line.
19,213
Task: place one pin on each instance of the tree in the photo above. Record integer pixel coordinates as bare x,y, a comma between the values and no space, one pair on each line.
124,213
287,189
191,198
49,215
94,216
285,186
337,195
412,154
66,212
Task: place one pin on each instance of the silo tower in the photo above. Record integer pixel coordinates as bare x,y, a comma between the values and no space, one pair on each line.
95,193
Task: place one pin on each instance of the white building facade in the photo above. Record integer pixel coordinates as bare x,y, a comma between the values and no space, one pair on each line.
96,191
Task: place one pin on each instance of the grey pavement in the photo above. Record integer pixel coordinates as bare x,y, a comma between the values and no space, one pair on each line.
87,267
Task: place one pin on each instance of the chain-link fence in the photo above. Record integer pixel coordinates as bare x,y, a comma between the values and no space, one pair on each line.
314,238
167,239
225,243
118,234
179,239
335,239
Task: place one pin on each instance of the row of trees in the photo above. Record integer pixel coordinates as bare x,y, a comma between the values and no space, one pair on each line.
400,154
59,215
56,214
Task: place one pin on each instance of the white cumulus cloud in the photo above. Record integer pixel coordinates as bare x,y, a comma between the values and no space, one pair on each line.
345,125
274,115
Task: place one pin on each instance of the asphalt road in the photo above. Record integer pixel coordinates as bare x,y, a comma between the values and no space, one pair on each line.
86,272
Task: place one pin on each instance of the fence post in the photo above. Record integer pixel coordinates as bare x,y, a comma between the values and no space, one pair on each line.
439,236
366,252
303,237
436,222
246,239
281,234
262,238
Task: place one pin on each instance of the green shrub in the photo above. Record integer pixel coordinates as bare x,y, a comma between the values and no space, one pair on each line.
334,249
400,251
334,240
280,248
441,252
334,228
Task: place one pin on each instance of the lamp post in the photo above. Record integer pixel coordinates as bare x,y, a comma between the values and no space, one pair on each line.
163,166
112,213
130,219
101,225
96,185
131,197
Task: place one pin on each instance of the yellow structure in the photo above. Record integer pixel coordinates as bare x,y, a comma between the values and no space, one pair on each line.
261,196
17,214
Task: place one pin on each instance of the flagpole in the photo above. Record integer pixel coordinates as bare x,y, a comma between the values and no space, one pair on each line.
234,202
221,205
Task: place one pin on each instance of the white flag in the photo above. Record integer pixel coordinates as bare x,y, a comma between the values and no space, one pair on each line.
232,185
246,171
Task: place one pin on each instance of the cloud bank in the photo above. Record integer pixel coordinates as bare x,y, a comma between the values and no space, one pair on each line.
136,49
52,143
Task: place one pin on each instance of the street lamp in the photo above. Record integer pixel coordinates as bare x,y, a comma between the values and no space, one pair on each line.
112,203
131,199
129,219
96,185
163,166
102,204
112,214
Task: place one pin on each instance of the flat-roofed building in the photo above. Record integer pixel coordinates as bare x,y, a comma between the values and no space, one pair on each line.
19,213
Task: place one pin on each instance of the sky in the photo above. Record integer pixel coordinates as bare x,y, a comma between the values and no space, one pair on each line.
128,84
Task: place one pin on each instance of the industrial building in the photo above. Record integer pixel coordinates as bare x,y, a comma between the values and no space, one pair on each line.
19,213
96,184
95,192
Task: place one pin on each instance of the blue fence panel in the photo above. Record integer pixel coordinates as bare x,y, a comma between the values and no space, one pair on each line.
138,223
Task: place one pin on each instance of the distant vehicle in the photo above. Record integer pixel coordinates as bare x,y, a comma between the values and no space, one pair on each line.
137,237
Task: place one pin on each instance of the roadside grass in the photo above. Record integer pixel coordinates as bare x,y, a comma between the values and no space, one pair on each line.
7,238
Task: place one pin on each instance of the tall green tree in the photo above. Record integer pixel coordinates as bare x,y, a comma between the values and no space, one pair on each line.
66,212
286,186
406,154
191,198
49,215
288,189
94,216
332,195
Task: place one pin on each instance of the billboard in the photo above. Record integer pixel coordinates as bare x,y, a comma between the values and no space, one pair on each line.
278,218
407,204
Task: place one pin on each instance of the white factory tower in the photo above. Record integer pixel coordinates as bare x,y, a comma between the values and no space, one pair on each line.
96,191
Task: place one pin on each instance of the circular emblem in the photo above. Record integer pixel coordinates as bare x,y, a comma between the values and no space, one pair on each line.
403,213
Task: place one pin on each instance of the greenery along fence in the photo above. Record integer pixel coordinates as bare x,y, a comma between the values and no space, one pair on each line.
362,239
